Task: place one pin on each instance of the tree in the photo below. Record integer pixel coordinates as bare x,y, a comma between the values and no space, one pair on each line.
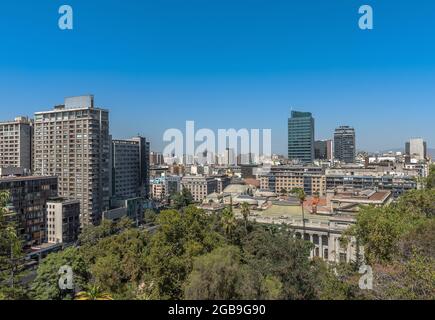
11,253
283,191
418,202
245,212
92,234
380,229
221,275
150,216
181,238
430,180
284,258
46,284
411,275
300,193
411,279
228,221
93,293
336,282
182,199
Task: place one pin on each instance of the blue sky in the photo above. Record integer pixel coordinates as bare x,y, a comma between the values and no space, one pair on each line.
227,63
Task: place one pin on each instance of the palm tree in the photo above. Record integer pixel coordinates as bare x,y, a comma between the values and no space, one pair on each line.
300,193
245,212
93,293
229,222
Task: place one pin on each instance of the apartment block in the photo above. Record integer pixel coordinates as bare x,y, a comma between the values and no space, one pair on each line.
344,144
416,148
279,181
63,220
72,142
16,143
199,186
323,150
28,198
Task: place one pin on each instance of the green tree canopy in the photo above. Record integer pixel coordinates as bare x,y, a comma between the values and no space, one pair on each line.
221,275
180,238
46,284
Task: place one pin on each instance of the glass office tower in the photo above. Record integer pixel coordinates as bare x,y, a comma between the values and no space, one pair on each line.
301,137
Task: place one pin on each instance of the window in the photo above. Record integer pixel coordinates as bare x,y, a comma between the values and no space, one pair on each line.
343,257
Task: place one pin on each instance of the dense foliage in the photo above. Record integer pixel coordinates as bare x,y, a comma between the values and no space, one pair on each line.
192,255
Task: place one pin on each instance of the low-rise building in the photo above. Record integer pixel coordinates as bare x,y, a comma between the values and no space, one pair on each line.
63,220
199,186
158,189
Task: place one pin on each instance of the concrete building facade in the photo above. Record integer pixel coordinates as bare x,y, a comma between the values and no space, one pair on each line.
63,220
28,198
16,143
344,144
199,186
72,143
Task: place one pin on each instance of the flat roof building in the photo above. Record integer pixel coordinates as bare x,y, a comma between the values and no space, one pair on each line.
63,220
72,142
301,137
344,144
28,198
16,143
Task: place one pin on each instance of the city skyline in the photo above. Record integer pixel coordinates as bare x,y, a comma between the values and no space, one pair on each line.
188,61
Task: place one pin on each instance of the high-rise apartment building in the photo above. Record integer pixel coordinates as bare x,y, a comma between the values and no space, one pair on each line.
344,144
130,167
156,159
301,137
416,148
16,144
72,143
323,150
28,197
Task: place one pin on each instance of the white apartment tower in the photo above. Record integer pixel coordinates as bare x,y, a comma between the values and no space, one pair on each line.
72,142
16,143
416,148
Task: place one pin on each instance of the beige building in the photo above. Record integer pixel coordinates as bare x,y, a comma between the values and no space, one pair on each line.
310,183
199,186
158,190
63,220
72,142
16,143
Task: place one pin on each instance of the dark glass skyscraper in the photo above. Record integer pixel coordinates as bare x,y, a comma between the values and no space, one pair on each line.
301,136
344,144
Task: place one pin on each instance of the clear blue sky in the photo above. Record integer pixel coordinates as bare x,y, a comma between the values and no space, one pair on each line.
227,63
